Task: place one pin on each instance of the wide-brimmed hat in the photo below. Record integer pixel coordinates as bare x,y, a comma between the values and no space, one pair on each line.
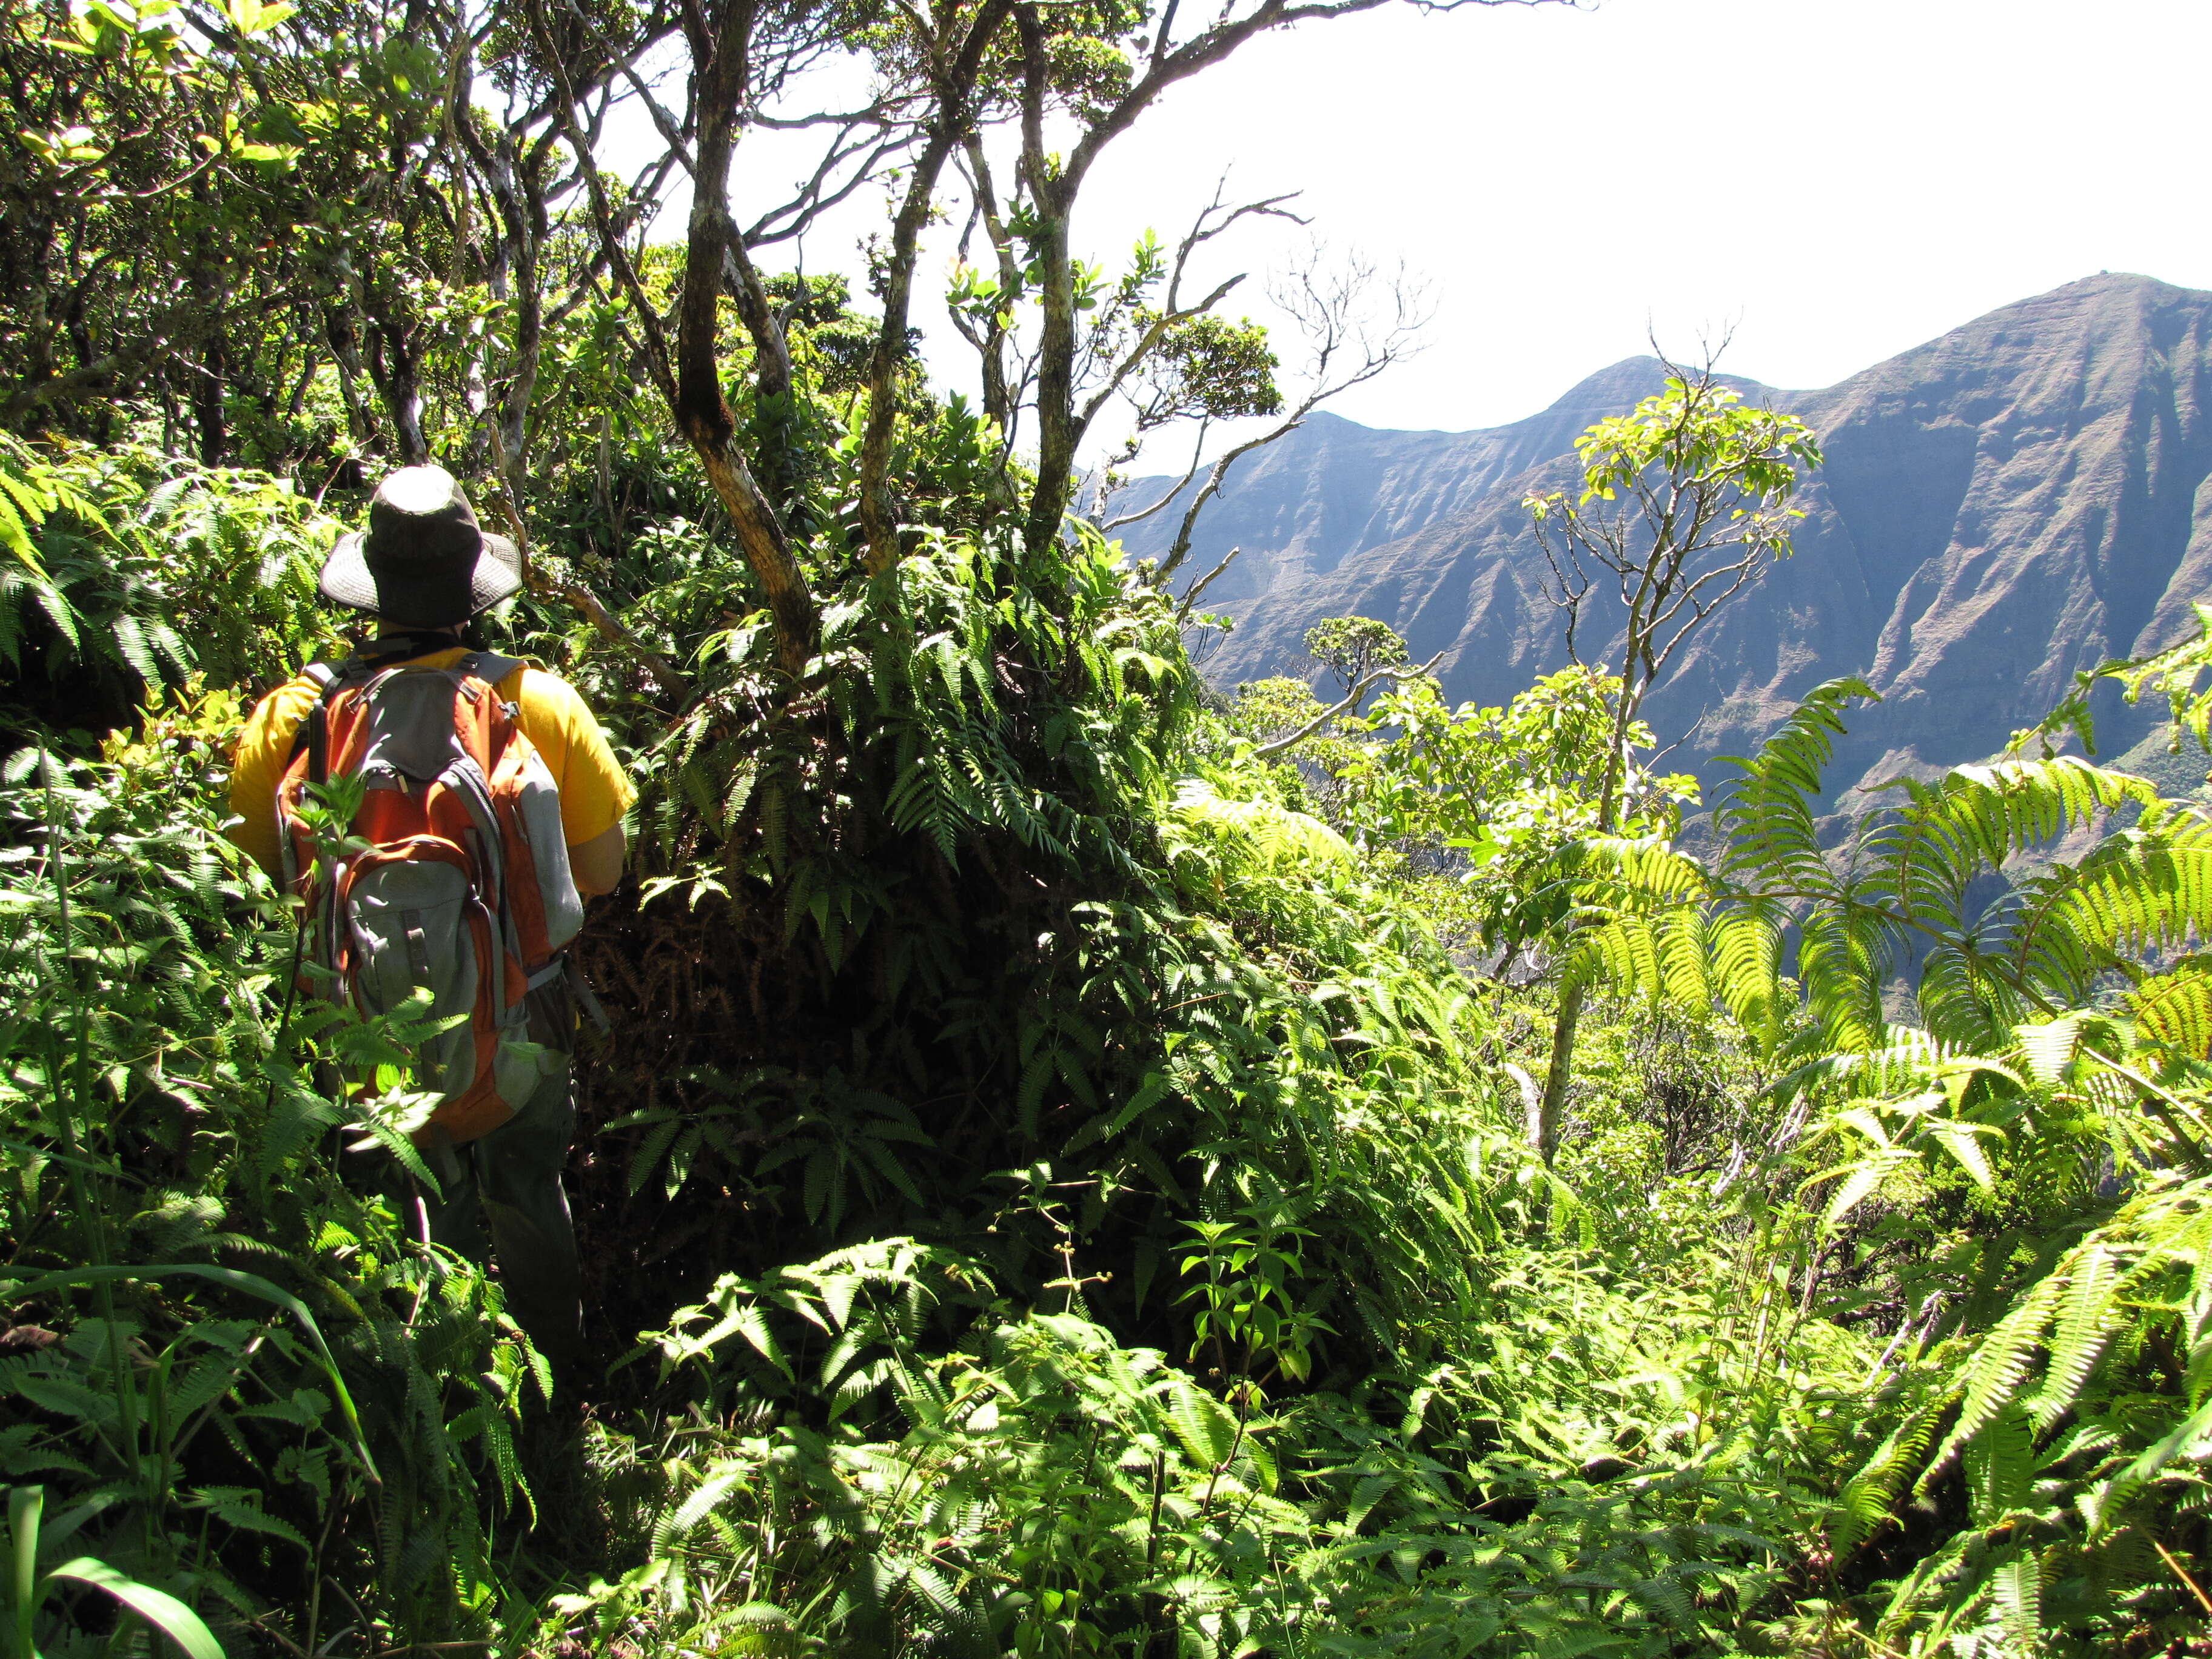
422,559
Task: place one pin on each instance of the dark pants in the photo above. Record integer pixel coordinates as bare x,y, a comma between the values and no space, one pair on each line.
510,1181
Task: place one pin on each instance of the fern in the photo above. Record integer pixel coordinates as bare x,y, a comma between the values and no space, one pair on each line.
2085,1318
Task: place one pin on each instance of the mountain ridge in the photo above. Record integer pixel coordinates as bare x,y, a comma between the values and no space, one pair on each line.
2019,498
1290,536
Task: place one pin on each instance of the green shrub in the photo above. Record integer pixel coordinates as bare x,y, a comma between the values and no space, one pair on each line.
232,1368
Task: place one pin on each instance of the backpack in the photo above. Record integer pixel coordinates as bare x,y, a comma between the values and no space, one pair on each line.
464,890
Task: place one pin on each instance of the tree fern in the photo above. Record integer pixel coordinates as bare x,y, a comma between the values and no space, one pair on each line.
2049,1027
1257,834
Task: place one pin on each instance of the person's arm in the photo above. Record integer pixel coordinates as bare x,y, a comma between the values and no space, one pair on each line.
264,751
596,864
594,792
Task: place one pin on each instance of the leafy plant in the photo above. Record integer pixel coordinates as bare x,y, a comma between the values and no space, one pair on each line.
1078,1187
2058,1066
30,1588
109,549
208,1424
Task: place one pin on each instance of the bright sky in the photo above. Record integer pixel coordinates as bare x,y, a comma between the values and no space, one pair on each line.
1840,179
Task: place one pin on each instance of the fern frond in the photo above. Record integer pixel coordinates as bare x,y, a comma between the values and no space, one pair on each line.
1992,1379
2000,1465
1766,814
1871,1491
1259,833
2087,1315
1909,1058
1962,1004
1743,942
2017,1594
2174,1009
1839,963
2048,1047
2145,889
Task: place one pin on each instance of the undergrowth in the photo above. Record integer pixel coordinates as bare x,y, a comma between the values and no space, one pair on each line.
1047,1190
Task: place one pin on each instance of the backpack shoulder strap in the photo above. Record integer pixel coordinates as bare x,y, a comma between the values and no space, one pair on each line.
488,665
314,732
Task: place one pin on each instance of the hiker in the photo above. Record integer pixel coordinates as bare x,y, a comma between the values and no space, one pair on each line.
474,887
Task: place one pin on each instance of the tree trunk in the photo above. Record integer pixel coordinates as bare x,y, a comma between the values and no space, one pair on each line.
955,73
775,412
1544,1128
396,370
702,413
603,479
525,210
879,513
1055,393
213,379
208,389
345,353
1571,1000
997,396
689,378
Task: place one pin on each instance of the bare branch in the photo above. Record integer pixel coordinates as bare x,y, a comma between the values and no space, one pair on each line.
1207,227
1165,67
1330,310
658,361
670,134
1214,480
1190,600
1197,450
811,202
1146,341
1360,687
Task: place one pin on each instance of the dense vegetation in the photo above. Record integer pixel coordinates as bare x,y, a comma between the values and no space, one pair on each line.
1073,1170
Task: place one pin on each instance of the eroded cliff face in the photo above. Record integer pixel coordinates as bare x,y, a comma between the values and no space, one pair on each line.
2023,497
1334,488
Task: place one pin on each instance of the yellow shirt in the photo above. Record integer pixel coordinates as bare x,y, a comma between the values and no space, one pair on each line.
595,791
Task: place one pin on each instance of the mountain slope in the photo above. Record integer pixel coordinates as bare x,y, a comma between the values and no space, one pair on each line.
1333,488
2016,500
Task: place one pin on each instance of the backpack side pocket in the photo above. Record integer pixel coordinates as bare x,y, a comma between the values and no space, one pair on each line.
536,853
408,929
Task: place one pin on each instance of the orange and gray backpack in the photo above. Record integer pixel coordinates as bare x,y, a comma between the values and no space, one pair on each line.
464,890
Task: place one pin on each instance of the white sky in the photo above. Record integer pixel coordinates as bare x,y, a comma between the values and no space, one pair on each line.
1840,179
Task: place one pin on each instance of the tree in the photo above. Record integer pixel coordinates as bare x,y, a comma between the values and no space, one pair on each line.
302,230
151,181
1360,652
1351,648
1500,791
2050,1074
1684,503
947,75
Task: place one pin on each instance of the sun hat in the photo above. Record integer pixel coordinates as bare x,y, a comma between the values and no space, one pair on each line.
423,559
